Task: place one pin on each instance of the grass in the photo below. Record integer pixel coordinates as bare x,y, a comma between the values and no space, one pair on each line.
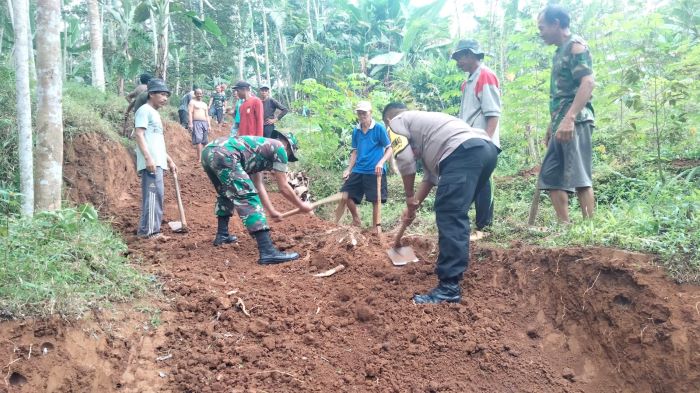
63,262
634,212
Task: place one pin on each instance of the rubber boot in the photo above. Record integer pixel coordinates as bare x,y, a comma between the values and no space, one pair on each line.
222,236
269,255
447,291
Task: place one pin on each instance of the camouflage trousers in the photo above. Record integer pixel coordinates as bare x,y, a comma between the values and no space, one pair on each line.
234,187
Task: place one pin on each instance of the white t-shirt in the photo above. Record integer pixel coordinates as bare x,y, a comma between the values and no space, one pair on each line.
149,118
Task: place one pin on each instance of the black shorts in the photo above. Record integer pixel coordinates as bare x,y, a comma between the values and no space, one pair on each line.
359,185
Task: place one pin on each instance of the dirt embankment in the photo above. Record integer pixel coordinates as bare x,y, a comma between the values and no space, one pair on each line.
531,320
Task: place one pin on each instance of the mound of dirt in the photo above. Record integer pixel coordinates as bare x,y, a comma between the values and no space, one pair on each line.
531,320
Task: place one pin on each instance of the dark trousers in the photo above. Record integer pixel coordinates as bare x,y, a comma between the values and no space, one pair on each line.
483,204
462,176
184,118
219,114
267,130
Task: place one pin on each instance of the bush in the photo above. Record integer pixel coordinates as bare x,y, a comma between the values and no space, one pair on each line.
63,262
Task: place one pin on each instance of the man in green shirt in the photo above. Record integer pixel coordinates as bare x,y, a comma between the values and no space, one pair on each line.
234,166
567,165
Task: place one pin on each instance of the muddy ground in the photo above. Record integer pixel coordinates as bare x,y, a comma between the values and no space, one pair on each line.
531,320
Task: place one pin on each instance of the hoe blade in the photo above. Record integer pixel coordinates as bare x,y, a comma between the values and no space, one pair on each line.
402,255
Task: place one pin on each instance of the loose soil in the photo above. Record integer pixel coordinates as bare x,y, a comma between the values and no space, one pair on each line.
531,319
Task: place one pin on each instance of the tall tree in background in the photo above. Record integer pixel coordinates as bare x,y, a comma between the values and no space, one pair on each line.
160,20
24,105
98,69
49,147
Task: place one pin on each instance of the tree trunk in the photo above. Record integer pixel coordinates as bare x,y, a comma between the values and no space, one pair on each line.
49,136
24,106
161,26
285,66
98,69
64,58
267,46
254,42
241,48
308,17
10,10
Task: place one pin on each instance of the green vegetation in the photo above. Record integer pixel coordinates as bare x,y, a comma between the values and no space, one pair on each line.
646,142
66,261
62,262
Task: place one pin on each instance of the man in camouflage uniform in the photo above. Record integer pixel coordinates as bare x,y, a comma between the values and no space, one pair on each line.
234,166
567,165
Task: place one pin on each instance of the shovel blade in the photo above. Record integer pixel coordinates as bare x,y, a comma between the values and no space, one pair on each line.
402,255
176,226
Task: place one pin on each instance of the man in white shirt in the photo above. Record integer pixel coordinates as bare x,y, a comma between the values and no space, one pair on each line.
152,159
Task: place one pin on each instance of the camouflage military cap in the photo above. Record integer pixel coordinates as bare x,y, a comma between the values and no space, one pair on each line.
293,143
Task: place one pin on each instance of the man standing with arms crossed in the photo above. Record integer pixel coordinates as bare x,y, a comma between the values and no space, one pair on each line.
567,165
270,106
152,159
199,121
480,108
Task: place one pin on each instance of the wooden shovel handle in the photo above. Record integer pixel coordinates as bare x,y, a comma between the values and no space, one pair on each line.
332,198
399,234
180,208
378,217
535,205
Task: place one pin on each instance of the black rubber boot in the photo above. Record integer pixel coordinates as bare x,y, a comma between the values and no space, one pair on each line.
447,291
269,255
222,236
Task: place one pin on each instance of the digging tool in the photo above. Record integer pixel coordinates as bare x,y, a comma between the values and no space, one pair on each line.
330,272
535,205
401,255
378,207
178,226
340,210
330,199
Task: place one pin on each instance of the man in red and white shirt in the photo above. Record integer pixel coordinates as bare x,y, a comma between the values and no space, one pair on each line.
251,111
480,108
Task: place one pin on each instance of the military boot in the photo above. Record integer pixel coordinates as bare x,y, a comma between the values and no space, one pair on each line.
222,236
269,255
447,291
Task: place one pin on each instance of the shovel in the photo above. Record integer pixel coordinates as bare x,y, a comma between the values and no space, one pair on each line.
332,198
535,205
378,207
401,255
340,209
178,226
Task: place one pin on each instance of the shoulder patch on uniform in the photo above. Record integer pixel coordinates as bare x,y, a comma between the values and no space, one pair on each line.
398,142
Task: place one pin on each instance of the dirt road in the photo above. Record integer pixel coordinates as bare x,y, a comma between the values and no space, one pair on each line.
532,320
